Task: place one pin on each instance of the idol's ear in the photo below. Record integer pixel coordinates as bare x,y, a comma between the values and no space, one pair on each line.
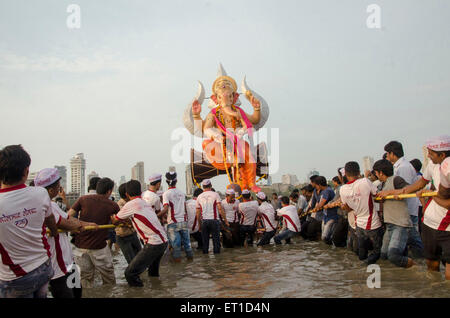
212,101
235,98
264,106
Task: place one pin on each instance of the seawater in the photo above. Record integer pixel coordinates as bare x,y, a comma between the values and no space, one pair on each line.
301,269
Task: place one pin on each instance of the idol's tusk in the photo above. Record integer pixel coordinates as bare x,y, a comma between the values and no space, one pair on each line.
200,97
244,87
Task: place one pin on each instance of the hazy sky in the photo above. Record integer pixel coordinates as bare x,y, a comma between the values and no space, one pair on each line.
116,88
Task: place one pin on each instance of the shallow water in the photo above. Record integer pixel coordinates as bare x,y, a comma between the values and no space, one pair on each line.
301,269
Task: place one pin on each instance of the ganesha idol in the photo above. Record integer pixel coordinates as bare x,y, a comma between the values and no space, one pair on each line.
225,149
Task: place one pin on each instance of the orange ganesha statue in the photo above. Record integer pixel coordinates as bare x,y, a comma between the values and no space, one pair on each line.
225,126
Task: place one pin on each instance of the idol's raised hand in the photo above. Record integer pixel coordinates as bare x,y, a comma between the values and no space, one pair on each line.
252,99
196,107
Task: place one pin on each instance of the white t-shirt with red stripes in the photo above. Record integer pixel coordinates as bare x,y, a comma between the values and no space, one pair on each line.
290,218
153,199
249,211
358,195
445,173
434,215
23,240
191,211
175,199
144,220
208,201
231,210
60,248
267,212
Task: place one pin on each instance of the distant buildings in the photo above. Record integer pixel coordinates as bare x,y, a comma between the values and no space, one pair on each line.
137,173
72,197
122,180
312,173
78,170
91,175
279,188
63,174
367,163
290,179
31,177
115,192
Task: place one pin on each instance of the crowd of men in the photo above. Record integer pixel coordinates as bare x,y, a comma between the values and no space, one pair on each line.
37,254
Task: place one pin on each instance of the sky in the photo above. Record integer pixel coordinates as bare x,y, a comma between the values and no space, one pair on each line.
115,89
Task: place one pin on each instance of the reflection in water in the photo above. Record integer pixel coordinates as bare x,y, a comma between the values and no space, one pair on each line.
302,269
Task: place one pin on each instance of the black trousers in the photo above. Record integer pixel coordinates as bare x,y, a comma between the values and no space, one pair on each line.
311,229
247,230
147,258
60,289
211,227
339,236
265,239
198,237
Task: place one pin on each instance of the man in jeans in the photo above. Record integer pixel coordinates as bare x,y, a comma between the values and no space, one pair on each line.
404,169
126,235
207,205
177,228
92,252
25,270
330,216
396,217
436,220
291,222
150,231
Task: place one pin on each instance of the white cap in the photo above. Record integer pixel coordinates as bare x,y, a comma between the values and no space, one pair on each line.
155,177
46,177
439,143
229,192
206,182
261,195
245,191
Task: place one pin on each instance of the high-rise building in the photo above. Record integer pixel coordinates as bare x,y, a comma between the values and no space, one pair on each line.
313,172
367,163
63,174
137,173
115,192
31,177
91,175
290,179
78,171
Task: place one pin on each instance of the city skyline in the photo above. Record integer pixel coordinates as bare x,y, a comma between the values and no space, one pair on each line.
337,90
